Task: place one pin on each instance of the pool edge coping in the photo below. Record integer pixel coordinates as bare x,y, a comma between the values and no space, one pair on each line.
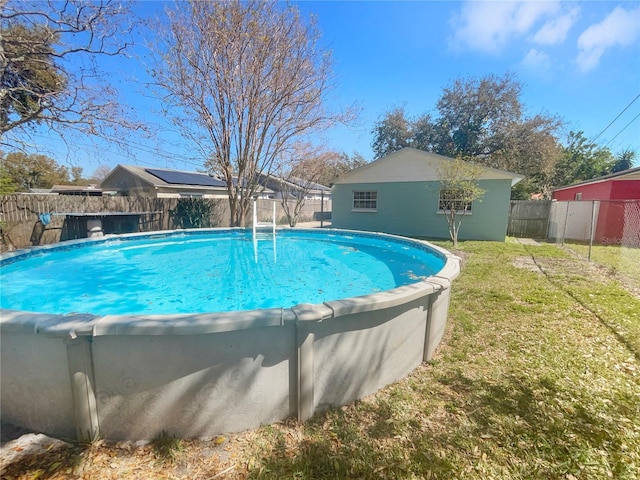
85,324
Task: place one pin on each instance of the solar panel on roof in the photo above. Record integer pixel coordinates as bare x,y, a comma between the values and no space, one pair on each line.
186,178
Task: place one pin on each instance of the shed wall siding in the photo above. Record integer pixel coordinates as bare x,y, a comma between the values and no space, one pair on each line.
594,191
606,190
626,190
411,208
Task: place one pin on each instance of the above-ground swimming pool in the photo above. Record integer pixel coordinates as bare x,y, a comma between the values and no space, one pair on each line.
200,332
215,271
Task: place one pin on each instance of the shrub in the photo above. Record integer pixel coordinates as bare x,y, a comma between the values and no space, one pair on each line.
192,213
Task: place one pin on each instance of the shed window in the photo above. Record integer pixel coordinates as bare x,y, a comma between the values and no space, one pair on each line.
454,199
578,196
365,201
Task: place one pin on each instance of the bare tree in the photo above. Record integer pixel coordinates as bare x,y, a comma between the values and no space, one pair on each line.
101,172
459,189
328,165
49,73
243,80
298,175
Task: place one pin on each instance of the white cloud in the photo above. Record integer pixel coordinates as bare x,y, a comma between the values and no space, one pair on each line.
490,26
555,31
536,61
620,28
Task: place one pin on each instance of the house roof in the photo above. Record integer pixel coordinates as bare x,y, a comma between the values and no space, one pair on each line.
172,179
175,177
76,189
273,182
412,165
630,174
165,178
300,182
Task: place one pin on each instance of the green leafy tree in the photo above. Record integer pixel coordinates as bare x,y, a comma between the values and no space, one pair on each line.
581,160
624,161
459,188
33,171
391,133
394,131
475,116
77,178
483,119
7,185
30,79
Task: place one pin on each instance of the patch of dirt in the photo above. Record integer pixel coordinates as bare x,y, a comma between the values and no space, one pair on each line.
578,266
38,456
526,263
599,273
464,256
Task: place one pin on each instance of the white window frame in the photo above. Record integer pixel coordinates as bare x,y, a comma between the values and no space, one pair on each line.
460,203
365,201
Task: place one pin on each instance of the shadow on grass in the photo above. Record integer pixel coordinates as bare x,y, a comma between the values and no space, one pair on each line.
558,430
341,451
518,428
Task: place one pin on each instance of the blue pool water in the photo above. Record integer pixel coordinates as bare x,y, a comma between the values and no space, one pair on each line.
210,272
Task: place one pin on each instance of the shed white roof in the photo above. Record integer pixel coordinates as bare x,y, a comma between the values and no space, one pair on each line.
412,165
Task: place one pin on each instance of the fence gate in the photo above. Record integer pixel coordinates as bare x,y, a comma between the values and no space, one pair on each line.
528,218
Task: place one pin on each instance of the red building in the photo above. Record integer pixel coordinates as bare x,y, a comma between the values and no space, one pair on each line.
619,206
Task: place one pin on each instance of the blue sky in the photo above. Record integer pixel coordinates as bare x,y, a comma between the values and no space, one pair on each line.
577,60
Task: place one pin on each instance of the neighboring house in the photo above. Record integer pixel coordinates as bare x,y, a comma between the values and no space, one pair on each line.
311,190
84,190
401,194
164,183
623,185
618,209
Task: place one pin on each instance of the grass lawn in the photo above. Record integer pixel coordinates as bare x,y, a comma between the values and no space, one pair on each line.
538,377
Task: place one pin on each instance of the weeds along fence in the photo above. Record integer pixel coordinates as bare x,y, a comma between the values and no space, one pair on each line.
30,220
603,231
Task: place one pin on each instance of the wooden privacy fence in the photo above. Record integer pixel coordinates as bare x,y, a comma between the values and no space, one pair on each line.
29,220
529,218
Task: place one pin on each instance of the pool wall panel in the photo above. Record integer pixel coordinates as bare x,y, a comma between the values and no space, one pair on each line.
36,389
193,385
356,355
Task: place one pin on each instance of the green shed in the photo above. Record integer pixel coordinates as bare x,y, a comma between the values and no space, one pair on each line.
401,194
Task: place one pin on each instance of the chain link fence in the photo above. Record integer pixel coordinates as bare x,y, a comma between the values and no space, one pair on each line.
603,231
